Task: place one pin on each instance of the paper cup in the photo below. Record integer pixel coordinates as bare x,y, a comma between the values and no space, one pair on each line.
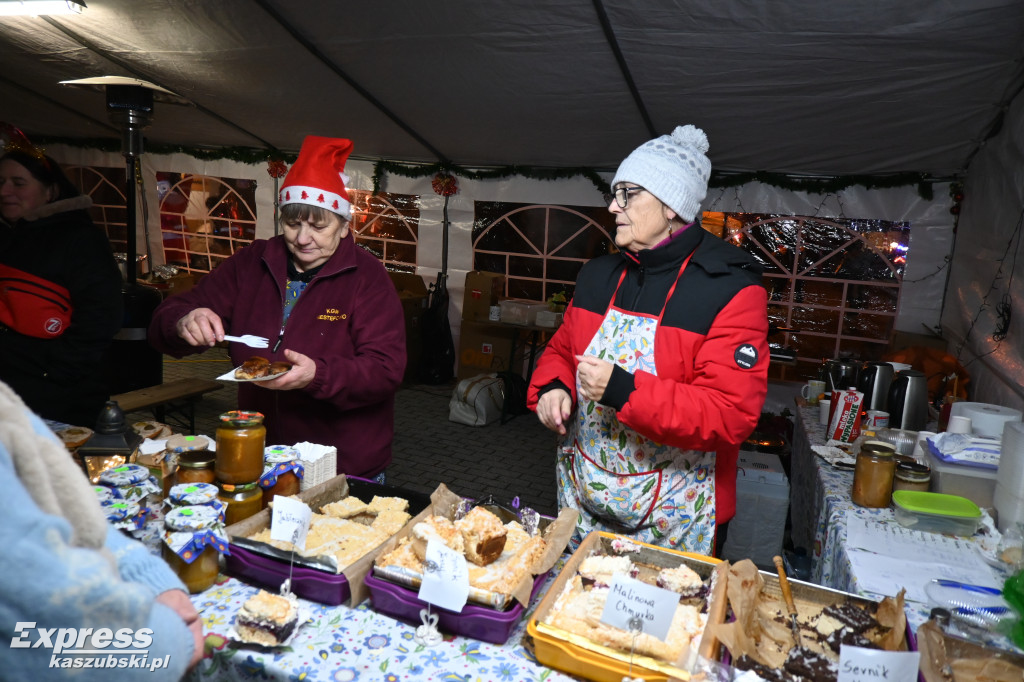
823,411
959,424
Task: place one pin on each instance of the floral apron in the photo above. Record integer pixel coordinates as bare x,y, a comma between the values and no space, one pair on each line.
621,481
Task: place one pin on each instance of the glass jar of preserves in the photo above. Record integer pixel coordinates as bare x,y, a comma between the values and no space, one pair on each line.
195,467
912,476
873,474
196,495
133,481
194,538
242,501
241,437
282,473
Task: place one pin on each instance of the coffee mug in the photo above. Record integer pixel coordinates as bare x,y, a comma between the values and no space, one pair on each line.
877,419
812,390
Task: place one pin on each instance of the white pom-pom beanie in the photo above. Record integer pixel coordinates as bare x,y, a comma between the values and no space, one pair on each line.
674,168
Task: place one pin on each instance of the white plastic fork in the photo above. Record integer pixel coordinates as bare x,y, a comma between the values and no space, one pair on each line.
249,340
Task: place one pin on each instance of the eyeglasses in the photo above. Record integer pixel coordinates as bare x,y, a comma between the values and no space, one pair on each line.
621,195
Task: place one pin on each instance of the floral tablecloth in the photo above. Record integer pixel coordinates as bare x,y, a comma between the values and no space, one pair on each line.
820,499
339,643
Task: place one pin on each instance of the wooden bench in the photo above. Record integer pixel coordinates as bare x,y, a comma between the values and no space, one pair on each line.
177,398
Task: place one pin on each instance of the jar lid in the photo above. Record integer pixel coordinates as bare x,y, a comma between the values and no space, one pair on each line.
180,443
913,471
106,494
119,510
127,474
877,448
239,487
191,519
193,493
275,454
242,418
198,459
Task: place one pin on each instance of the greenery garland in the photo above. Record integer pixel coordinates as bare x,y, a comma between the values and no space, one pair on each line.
381,167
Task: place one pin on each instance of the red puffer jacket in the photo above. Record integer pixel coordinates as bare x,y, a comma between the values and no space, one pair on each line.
711,348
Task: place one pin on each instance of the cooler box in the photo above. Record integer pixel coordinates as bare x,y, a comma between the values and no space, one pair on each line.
977,484
762,502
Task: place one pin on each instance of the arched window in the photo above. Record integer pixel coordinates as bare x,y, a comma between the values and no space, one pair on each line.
387,225
836,282
539,248
105,186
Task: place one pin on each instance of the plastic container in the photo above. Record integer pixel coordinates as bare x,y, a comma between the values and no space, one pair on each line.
762,500
936,513
475,621
975,483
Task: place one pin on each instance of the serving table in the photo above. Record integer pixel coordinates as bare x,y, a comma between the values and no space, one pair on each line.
340,643
821,509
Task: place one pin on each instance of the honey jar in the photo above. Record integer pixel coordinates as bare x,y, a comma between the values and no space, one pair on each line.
241,437
242,501
133,481
912,476
873,474
195,467
194,538
282,473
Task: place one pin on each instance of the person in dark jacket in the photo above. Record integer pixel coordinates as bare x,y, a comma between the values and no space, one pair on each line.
60,291
659,370
327,306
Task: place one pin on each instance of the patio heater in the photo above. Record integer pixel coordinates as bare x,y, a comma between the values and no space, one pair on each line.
131,362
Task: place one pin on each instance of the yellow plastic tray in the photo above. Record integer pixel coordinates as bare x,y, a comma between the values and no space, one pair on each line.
579,656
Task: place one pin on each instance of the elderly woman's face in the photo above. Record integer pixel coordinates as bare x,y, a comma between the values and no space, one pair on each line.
643,223
312,242
20,193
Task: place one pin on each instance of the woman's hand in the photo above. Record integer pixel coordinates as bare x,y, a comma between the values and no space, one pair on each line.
302,372
554,408
594,375
180,603
201,327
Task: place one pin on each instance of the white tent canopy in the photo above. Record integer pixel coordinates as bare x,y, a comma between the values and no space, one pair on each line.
802,88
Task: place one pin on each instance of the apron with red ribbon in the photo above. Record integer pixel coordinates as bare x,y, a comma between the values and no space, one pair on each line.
621,481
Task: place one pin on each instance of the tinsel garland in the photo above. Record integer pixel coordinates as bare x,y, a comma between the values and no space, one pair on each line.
381,167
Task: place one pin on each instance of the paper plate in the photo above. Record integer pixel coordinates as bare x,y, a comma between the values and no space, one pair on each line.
230,376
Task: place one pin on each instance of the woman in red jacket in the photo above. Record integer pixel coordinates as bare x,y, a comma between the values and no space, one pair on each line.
327,306
659,370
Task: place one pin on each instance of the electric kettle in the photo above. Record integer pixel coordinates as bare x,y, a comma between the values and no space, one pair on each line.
908,401
874,382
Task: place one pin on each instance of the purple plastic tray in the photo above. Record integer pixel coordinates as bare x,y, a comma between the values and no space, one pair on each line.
475,621
310,583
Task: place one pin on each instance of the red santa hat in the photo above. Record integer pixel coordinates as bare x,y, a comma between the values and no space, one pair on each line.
317,178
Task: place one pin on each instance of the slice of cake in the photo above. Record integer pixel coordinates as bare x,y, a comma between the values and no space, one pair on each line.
267,619
344,508
379,504
681,579
600,569
483,536
390,521
436,528
253,368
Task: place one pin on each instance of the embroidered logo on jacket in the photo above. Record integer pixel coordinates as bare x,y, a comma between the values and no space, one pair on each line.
745,356
332,315
53,326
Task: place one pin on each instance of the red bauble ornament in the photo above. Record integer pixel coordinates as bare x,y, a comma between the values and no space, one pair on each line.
444,184
958,197
955,209
277,169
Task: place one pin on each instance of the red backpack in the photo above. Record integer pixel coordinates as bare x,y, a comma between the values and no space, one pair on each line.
33,306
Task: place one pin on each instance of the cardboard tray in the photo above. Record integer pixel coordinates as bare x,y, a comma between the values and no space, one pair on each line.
571,653
268,566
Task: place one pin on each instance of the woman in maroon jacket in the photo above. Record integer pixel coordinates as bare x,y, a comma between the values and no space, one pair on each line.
328,307
659,370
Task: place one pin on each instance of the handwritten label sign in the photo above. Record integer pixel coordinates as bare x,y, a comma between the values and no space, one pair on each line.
871,665
445,577
633,605
290,521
